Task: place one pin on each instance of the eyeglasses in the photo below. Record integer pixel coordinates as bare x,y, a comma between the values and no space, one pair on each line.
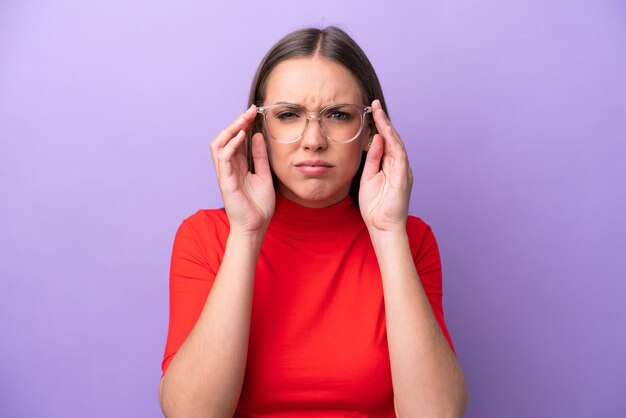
287,122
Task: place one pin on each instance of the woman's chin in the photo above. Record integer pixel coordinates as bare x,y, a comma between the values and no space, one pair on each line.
313,197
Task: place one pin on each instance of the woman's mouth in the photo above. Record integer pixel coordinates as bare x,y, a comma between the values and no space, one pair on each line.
314,167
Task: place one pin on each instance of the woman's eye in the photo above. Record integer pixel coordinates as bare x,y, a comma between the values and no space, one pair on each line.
287,115
338,115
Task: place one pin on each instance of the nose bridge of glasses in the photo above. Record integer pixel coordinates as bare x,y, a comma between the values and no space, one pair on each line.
314,115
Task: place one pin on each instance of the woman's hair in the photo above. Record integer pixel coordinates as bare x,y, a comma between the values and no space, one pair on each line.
331,43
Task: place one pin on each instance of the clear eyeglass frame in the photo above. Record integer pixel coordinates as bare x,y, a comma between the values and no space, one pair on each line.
363,110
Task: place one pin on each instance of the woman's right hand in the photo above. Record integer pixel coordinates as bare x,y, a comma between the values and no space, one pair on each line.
249,199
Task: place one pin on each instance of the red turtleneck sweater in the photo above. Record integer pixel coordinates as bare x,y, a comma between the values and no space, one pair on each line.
318,342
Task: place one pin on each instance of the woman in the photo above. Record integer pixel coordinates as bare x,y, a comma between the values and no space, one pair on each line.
312,293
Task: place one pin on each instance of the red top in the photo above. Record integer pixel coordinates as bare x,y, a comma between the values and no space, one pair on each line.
318,342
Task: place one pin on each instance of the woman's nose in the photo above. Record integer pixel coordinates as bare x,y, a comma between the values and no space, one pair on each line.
313,136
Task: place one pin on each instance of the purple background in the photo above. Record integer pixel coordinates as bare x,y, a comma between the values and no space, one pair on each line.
514,114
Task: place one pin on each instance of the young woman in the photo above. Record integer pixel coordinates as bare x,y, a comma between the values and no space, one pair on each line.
313,292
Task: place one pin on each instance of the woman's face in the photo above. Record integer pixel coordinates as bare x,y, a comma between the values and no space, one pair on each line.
314,171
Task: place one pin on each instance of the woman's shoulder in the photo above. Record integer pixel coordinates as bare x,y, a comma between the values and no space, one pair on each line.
415,224
204,216
206,224
421,237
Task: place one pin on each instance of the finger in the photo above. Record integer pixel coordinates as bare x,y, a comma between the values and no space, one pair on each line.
395,155
225,156
373,158
259,156
232,147
386,129
243,121
217,152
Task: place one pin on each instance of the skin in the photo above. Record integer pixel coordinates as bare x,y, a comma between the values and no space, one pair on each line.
205,378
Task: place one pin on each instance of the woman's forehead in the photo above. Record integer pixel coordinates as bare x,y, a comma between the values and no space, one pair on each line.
312,82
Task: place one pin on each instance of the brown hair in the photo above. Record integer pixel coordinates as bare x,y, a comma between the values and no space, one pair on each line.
331,43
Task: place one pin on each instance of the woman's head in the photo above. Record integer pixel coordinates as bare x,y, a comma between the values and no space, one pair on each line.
327,52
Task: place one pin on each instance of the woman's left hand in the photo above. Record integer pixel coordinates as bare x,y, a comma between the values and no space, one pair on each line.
385,188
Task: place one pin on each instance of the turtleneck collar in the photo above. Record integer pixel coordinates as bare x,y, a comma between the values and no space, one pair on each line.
296,220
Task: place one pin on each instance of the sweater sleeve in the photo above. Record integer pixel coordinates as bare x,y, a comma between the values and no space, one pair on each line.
196,256
428,264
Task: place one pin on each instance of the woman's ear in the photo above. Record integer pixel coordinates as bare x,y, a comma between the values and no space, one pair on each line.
367,144
368,140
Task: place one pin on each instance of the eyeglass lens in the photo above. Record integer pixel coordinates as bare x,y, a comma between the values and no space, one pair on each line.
340,123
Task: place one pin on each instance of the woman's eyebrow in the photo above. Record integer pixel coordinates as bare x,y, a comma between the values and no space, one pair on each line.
306,109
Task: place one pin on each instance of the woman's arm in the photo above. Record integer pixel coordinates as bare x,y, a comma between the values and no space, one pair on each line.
205,377
427,379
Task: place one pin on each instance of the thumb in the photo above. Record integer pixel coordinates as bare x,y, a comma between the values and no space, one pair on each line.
374,156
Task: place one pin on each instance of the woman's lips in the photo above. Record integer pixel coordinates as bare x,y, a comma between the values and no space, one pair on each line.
314,167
